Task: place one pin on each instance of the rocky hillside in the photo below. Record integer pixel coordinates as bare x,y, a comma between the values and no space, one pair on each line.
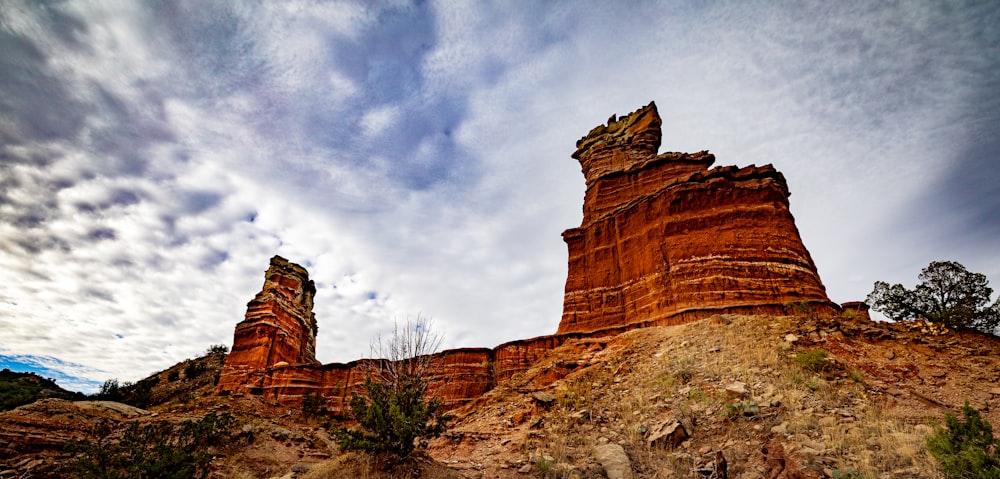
769,397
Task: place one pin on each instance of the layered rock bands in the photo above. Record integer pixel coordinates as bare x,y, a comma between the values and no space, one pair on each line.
664,239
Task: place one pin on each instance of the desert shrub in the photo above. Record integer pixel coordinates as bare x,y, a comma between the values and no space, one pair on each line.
173,375
217,350
736,410
395,420
157,450
850,473
797,308
135,394
312,404
394,412
813,360
966,449
193,369
112,390
139,394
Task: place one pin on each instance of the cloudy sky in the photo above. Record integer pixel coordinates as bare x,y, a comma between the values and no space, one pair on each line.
414,156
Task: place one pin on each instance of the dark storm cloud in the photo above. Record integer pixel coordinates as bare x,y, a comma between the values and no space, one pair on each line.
211,44
969,192
36,102
960,206
971,188
101,234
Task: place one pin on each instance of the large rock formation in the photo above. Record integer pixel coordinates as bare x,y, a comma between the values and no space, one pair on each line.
274,352
279,327
665,239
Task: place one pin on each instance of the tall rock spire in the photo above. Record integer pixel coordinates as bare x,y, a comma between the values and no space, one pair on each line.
279,326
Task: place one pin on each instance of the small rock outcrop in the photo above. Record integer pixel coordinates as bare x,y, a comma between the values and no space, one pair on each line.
664,239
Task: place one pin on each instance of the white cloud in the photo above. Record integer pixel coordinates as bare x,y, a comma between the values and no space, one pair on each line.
375,121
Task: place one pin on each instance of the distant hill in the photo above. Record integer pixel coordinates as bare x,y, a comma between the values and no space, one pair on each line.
18,389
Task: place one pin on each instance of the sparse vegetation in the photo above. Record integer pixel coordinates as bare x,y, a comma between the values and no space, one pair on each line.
793,400
194,369
966,449
850,473
394,413
742,409
112,390
152,450
813,360
797,307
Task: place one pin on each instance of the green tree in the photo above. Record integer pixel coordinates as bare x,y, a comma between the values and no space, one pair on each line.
394,413
217,349
948,294
966,449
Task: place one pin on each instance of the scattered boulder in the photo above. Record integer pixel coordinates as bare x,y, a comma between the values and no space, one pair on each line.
737,390
615,462
669,433
544,397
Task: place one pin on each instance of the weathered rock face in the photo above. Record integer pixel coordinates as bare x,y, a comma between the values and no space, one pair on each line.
665,239
274,352
279,327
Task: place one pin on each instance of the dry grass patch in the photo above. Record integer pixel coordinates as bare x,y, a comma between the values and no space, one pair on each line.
358,465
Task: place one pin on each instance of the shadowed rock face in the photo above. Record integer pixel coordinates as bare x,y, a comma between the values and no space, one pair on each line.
665,239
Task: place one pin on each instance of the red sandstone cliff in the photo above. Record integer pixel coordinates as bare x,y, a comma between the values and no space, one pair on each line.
665,239
274,352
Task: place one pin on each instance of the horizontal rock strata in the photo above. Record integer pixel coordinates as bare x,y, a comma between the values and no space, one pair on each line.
279,327
664,239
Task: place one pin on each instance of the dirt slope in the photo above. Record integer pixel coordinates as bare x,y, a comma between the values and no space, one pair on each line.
752,393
